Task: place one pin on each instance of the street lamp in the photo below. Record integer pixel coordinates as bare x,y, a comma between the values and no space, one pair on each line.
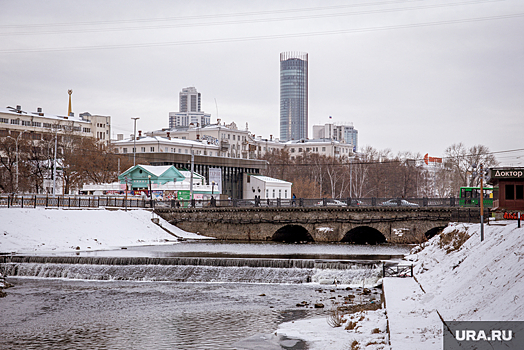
17,156
134,141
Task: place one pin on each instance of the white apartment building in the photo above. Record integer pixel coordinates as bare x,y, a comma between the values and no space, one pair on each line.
345,132
189,112
164,144
235,143
39,125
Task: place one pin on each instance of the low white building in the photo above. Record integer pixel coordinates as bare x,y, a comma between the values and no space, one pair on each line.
265,187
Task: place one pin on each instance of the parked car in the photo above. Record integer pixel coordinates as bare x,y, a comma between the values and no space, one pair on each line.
398,202
332,203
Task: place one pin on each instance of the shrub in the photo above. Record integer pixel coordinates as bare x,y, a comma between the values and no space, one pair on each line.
453,240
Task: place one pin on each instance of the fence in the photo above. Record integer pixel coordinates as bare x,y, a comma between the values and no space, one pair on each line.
84,201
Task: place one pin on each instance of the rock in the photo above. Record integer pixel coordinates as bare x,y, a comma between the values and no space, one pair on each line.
262,295
319,306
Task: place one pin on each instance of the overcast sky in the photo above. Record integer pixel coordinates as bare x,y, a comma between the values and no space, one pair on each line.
411,75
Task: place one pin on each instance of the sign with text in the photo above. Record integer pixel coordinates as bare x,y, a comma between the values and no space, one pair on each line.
507,173
215,175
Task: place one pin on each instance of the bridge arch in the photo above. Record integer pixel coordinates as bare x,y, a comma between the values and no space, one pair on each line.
291,234
364,235
434,231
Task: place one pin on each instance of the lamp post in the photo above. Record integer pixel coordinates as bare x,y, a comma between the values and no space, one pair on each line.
134,141
150,192
17,157
481,202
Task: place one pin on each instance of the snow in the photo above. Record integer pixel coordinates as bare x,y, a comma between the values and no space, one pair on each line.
54,230
478,281
320,335
474,281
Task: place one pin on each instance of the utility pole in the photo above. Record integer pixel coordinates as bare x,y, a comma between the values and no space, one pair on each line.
134,141
192,169
17,157
54,166
481,202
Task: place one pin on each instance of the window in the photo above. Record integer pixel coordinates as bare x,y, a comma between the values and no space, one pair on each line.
186,151
48,125
510,192
285,193
267,193
228,136
38,124
179,150
87,129
300,149
15,121
152,149
134,150
273,193
4,120
233,137
279,193
124,150
323,149
142,149
167,149
519,191
292,150
116,150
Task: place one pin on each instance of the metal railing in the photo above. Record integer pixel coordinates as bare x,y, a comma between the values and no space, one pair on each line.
86,201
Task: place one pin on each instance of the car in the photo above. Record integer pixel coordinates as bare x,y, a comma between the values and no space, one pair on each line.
397,203
332,203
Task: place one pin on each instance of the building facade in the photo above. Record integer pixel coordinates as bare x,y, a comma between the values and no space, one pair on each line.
39,125
189,110
293,96
344,132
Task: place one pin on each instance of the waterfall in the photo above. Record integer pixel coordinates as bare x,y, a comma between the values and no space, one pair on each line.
187,269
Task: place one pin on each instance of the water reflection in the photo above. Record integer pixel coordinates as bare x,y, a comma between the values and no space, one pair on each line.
57,314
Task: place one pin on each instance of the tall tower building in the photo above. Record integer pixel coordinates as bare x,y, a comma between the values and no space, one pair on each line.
189,100
189,111
293,95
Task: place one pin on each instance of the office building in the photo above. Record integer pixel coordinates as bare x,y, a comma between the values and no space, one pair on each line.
189,111
293,96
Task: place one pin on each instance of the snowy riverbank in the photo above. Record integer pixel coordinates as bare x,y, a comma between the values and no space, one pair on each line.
457,276
39,230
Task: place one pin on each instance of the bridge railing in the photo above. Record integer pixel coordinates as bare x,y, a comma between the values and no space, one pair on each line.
85,201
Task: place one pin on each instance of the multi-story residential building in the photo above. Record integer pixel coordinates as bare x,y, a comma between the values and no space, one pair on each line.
231,142
189,112
39,125
293,96
337,131
296,148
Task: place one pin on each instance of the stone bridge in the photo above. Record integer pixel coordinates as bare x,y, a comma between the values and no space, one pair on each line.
362,225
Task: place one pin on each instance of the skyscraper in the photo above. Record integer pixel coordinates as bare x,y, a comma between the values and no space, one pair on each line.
189,111
293,95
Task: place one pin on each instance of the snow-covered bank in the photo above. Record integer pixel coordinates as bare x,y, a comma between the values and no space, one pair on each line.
54,230
460,277
478,281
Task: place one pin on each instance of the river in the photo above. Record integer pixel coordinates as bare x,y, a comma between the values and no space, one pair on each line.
191,295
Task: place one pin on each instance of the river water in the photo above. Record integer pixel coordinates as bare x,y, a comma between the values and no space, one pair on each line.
192,295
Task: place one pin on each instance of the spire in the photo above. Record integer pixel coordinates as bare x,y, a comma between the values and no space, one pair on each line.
69,110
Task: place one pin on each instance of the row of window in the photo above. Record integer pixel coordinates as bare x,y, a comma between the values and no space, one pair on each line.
274,193
166,149
45,125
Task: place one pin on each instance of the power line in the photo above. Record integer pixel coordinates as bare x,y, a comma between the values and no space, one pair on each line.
267,37
392,161
214,16
248,21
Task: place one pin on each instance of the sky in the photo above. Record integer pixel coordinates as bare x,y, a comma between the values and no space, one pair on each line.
411,75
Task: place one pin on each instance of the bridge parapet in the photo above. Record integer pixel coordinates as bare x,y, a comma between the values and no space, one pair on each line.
357,225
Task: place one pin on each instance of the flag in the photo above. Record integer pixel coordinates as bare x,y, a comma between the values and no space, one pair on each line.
330,117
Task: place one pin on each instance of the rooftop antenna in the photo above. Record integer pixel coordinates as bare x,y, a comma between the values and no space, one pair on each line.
216,106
